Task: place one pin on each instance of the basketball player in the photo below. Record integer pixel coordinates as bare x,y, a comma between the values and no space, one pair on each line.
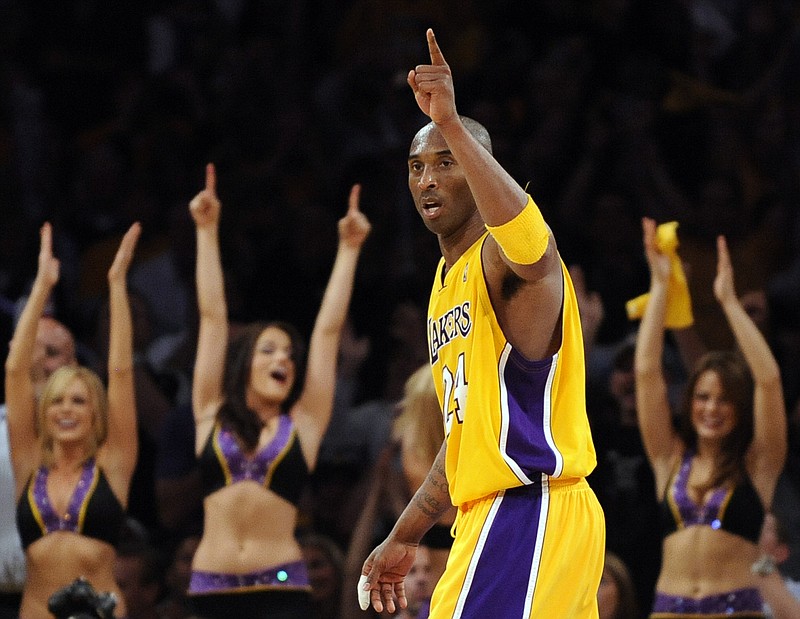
506,353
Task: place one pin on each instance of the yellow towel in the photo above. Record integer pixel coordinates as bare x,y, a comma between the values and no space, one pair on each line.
679,303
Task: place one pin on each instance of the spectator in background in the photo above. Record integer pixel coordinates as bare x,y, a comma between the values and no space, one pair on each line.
623,480
365,428
781,593
175,604
260,415
716,473
419,587
616,596
325,563
139,572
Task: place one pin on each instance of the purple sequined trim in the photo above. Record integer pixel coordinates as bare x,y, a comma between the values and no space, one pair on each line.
71,519
709,512
286,575
741,600
254,468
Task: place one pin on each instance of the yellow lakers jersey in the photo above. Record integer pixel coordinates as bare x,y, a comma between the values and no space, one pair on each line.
508,420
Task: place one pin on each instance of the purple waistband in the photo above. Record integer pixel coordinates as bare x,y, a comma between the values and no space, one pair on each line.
287,575
740,600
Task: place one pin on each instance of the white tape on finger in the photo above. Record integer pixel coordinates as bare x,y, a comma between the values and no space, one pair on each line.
363,596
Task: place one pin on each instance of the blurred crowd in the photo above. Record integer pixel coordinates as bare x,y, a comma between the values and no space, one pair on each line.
607,110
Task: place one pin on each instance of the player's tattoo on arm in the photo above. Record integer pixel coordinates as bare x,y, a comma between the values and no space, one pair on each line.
433,497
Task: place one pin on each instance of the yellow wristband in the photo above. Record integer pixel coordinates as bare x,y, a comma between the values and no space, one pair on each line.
523,239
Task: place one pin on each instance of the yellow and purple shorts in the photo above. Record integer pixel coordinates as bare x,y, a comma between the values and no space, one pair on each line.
527,552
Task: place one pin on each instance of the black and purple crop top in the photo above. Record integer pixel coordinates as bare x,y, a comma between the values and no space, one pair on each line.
93,510
736,509
278,466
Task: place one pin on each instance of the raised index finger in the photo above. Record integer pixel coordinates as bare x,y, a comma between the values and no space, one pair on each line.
723,257
355,195
211,178
46,238
433,47
128,242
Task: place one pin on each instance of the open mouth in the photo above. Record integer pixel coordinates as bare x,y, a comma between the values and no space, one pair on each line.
431,207
280,375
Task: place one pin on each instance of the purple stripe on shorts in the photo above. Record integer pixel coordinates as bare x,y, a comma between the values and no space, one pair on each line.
501,579
740,600
286,575
525,383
